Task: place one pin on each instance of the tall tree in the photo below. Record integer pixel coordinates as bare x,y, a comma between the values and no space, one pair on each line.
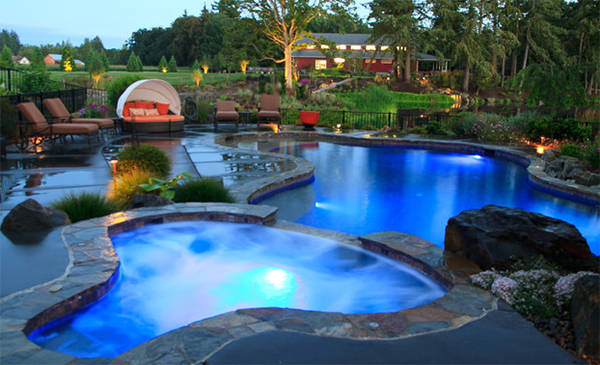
456,27
286,22
67,62
6,60
394,23
94,66
11,40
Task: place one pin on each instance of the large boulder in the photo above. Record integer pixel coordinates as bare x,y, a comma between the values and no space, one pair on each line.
585,315
492,235
32,216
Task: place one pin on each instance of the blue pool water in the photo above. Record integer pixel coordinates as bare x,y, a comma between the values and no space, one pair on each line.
177,273
361,190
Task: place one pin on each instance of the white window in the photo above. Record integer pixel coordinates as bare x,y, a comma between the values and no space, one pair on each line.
311,46
355,48
371,48
324,46
383,48
320,64
339,60
341,46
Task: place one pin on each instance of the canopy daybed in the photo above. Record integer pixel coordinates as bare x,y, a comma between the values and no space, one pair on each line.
150,106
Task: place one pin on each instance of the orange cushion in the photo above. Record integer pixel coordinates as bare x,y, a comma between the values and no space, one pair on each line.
151,112
163,109
144,104
126,107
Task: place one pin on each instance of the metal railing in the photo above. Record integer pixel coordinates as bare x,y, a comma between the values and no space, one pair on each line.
10,79
400,119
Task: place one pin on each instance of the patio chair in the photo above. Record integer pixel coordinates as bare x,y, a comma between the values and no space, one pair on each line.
60,114
268,110
37,128
226,111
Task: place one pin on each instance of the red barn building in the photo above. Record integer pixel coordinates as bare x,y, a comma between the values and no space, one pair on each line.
353,51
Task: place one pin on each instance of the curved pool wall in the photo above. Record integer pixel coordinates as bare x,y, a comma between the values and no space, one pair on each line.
93,264
177,273
589,197
93,270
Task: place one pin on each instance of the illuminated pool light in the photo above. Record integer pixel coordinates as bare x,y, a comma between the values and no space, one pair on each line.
477,157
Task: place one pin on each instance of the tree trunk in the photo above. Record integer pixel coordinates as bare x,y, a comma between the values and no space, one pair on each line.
289,86
466,78
407,64
513,73
525,56
503,69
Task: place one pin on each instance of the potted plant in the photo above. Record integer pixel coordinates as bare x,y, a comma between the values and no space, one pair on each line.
309,117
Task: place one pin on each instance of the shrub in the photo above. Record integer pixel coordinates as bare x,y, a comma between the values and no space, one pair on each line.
118,86
204,108
572,150
8,119
435,128
85,206
126,185
144,157
462,124
590,153
493,127
531,286
202,190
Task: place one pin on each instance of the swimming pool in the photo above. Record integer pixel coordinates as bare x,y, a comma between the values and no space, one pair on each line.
360,190
173,274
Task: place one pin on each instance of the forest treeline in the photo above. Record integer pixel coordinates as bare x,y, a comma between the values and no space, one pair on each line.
489,40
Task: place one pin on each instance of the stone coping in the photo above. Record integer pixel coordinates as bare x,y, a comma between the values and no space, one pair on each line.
93,268
534,164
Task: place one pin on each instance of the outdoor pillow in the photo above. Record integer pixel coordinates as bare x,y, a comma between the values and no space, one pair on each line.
163,109
151,112
126,108
137,112
144,104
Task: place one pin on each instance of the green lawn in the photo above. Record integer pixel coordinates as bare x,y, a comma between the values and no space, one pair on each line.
182,77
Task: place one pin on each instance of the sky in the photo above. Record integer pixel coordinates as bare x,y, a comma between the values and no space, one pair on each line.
41,22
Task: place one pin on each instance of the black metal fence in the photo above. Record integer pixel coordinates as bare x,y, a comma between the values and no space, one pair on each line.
400,119
10,79
73,96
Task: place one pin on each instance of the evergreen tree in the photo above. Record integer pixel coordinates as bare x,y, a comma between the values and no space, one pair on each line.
88,59
94,65
163,65
196,65
172,65
104,60
37,58
140,64
67,63
132,63
6,58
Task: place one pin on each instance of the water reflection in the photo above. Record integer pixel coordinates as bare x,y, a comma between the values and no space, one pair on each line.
360,190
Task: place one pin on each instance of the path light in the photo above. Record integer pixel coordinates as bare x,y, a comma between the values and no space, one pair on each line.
541,150
113,161
338,127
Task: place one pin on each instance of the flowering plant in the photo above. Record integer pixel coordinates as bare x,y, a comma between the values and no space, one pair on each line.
93,111
533,291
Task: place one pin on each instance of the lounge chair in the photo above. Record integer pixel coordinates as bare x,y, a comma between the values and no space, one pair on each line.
226,111
38,129
60,114
269,110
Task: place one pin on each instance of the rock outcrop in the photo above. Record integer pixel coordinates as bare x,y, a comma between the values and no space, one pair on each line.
147,200
32,216
491,236
569,168
585,315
